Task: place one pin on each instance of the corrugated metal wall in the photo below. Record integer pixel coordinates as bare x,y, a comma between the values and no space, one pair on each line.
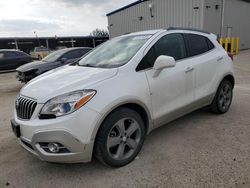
237,21
166,13
200,14
213,16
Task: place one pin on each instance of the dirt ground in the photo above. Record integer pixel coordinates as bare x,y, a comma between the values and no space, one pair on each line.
198,150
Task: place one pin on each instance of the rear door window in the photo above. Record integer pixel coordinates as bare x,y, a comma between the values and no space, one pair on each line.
198,44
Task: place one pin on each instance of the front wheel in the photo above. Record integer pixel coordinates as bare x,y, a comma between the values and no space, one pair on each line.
223,98
120,138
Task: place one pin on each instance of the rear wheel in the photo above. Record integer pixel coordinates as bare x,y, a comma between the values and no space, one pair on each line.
223,98
120,138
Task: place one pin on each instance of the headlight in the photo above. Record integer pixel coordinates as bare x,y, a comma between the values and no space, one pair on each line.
67,103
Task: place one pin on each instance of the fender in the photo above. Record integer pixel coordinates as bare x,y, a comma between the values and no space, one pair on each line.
116,104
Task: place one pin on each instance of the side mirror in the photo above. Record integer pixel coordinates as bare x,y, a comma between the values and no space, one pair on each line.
163,62
63,60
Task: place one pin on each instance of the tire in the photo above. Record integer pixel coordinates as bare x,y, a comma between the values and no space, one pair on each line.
120,138
223,98
39,57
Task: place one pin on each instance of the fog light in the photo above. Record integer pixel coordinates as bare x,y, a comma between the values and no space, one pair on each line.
53,147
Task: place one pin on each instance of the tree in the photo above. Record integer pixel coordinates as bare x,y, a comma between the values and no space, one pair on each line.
99,33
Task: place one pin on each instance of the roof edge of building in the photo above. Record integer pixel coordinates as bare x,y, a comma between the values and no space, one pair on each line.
125,7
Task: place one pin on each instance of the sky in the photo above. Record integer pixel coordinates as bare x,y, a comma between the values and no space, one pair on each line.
21,18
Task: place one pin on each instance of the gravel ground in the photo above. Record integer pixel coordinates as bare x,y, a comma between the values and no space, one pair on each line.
198,150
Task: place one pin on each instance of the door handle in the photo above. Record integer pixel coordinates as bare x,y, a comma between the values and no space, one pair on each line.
189,69
219,58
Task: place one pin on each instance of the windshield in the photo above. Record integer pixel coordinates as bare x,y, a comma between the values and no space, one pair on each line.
54,56
114,53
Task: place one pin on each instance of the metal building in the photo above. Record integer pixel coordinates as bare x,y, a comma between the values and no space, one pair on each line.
225,18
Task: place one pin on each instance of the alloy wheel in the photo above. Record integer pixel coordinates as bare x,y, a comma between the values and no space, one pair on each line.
225,97
123,138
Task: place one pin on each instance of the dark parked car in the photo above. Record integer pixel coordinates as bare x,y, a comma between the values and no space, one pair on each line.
56,59
11,59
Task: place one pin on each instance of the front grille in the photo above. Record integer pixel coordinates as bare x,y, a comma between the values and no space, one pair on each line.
25,107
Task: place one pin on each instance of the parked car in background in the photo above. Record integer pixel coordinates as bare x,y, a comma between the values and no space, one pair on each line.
40,52
55,59
107,103
11,59
60,47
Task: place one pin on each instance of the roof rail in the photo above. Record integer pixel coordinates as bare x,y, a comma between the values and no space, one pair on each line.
187,29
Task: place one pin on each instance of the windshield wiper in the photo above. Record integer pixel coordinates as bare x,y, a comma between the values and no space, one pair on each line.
75,63
87,65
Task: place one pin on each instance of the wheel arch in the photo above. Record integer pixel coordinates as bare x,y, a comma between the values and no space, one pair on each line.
227,76
137,106
230,78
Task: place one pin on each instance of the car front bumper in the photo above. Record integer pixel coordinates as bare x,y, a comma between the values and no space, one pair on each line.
72,131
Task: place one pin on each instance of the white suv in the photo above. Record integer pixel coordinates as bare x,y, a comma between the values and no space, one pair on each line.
107,103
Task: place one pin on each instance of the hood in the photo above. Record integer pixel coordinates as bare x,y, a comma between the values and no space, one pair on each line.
63,80
33,66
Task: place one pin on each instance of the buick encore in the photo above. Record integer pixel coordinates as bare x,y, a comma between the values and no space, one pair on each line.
104,105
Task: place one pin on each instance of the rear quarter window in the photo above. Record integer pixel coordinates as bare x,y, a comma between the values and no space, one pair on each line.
210,44
198,44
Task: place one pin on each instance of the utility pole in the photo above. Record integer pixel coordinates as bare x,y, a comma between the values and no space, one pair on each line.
37,38
47,43
93,42
16,44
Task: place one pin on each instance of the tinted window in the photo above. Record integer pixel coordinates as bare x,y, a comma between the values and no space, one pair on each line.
148,60
171,45
210,44
72,54
20,54
54,56
197,44
83,52
11,54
